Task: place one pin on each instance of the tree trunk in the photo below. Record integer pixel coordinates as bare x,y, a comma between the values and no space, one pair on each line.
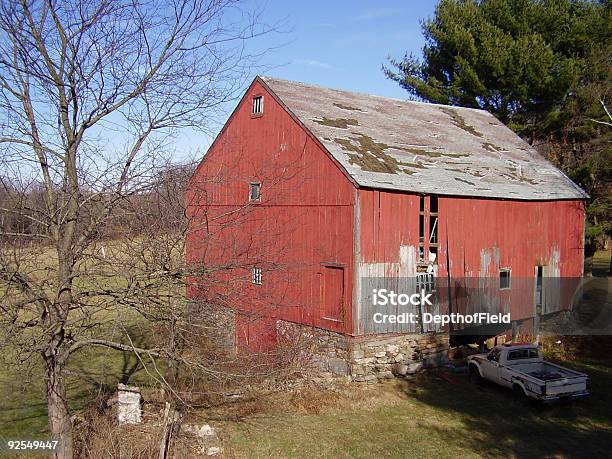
60,425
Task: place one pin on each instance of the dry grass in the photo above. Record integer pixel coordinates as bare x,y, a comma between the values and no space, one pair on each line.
307,398
99,436
427,418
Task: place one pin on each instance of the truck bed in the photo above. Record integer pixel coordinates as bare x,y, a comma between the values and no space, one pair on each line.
558,381
544,371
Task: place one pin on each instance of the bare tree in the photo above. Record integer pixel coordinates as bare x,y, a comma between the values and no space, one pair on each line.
608,123
91,91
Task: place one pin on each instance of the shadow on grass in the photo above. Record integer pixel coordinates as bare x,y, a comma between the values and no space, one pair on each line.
601,264
23,410
93,373
494,423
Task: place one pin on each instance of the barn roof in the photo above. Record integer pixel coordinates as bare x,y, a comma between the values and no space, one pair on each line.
420,147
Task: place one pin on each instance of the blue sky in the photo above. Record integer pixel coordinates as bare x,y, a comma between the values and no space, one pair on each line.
344,44
340,44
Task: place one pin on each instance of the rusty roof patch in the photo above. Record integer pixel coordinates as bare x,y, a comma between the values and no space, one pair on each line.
370,155
459,121
341,123
347,107
423,148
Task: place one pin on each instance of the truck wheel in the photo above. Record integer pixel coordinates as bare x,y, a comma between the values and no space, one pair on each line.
475,375
519,393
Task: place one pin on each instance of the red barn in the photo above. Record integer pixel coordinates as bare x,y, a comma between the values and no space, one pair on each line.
310,198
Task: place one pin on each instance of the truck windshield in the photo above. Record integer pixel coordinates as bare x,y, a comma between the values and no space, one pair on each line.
519,354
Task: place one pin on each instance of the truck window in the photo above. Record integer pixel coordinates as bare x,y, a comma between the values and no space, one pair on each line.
520,354
494,355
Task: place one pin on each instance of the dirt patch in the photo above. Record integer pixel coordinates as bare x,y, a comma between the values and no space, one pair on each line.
459,121
342,123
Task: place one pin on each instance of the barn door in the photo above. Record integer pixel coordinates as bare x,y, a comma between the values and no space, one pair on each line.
333,293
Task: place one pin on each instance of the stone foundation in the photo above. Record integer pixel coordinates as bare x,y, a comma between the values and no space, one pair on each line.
364,358
368,358
328,350
383,356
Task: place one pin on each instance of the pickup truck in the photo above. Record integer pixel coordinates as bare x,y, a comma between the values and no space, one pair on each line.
522,368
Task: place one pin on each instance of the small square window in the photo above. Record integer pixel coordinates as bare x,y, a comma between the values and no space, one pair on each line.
255,192
256,276
425,281
504,279
257,105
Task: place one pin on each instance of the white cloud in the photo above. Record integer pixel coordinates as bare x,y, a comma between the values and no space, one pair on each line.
312,63
370,14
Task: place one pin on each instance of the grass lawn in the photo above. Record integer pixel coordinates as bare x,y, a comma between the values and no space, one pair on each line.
432,419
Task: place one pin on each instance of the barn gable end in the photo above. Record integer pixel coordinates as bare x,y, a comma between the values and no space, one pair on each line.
289,242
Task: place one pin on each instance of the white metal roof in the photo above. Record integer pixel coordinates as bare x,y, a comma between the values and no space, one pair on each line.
420,147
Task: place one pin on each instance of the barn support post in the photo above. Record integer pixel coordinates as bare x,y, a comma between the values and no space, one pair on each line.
536,324
448,275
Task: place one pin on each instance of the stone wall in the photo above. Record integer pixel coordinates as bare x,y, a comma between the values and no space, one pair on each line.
368,358
328,350
383,356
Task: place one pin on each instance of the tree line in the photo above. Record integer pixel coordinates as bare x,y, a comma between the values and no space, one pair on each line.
543,67
159,204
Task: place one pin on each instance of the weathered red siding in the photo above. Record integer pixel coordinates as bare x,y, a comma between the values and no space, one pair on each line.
482,236
526,232
303,223
389,220
521,235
